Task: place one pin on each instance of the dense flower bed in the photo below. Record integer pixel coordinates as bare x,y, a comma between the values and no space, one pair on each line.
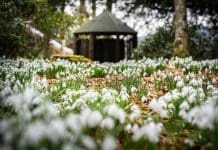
142,104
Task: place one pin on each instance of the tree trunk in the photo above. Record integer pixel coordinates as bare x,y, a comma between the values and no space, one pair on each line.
109,5
82,11
180,22
93,8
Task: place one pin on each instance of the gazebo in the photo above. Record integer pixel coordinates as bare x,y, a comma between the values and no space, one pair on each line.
105,39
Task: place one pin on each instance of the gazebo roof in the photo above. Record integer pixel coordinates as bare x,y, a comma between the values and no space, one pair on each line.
105,23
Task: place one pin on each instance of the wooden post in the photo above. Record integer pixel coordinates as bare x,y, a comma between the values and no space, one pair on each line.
135,40
75,38
117,53
91,45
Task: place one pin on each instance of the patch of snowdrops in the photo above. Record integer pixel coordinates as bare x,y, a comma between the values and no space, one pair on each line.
47,105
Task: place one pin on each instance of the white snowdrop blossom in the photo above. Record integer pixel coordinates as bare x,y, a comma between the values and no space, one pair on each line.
159,107
107,123
44,82
73,123
90,95
189,142
56,130
22,102
47,109
109,143
88,142
34,134
133,90
114,111
128,128
184,106
144,99
123,93
180,84
94,119
203,116
107,95
136,113
150,130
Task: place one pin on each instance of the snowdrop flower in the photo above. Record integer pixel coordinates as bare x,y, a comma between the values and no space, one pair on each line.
177,78
136,113
187,90
88,142
44,82
194,82
184,106
56,130
171,106
22,102
134,116
135,127
192,97
144,99
109,143
107,96
158,106
79,103
90,96
183,114
94,119
107,123
124,96
150,130
133,90
114,111
64,85
128,128
175,94
180,84
203,116
134,108
7,91
34,134
123,93
84,115
47,109
189,142
73,123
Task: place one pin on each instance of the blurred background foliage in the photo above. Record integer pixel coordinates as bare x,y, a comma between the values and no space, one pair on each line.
48,16
203,43
41,15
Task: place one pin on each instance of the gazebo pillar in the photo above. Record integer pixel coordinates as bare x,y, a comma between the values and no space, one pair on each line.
117,53
75,38
135,40
91,45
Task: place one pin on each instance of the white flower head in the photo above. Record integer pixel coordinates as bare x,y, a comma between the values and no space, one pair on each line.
133,90
150,130
94,119
114,111
88,142
109,143
108,123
